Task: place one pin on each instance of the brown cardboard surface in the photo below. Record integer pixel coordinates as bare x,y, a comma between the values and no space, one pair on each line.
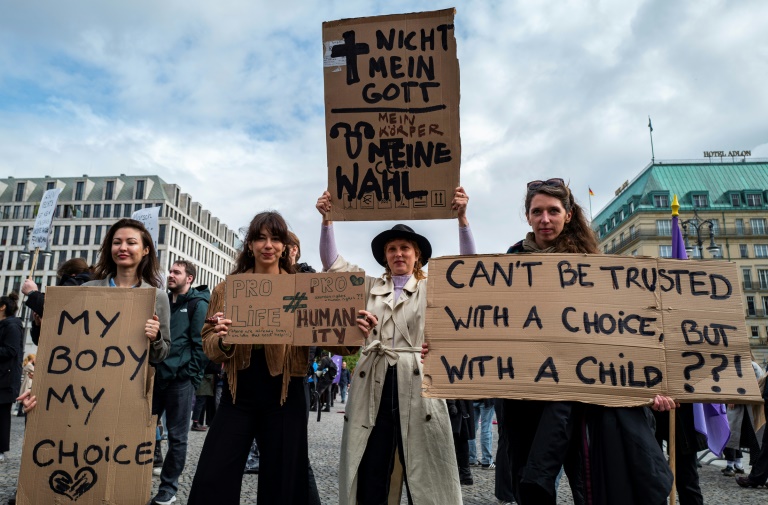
95,444
392,90
609,330
303,309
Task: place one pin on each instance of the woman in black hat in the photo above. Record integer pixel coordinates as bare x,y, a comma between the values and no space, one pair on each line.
391,434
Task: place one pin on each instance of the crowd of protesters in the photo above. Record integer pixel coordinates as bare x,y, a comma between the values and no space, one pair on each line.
254,400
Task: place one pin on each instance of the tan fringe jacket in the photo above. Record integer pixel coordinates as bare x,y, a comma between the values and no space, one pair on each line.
288,360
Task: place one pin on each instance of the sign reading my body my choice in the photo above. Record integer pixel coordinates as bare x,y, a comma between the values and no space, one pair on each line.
608,330
392,116
90,438
303,309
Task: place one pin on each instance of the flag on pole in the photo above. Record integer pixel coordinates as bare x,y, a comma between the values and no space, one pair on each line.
649,123
709,419
591,193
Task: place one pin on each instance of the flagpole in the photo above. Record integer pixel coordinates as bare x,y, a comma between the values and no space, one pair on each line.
650,127
590,206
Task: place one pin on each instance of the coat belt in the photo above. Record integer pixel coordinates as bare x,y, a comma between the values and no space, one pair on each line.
390,354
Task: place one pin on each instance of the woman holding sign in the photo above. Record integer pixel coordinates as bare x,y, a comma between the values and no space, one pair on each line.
266,397
391,434
613,448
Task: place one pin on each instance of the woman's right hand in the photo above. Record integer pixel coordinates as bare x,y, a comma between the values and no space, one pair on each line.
220,325
323,206
366,321
28,401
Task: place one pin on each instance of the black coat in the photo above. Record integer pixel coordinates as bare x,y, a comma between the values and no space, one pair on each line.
11,355
462,417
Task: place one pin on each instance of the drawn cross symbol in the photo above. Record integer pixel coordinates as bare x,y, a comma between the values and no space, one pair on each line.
350,50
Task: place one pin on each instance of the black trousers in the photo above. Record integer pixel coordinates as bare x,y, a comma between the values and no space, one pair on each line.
5,427
375,471
759,473
503,486
280,432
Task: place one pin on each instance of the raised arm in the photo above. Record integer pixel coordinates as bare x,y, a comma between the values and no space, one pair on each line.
328,251
459,204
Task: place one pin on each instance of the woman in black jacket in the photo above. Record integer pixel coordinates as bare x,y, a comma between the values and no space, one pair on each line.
11,352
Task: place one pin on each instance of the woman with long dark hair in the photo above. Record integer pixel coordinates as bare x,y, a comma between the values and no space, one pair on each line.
265,395
11,352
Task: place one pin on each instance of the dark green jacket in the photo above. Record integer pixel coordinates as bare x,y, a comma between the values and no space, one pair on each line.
186,359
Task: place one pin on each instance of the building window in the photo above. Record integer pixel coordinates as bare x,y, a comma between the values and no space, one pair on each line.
762,274
20,191
79,190
161,234
743,250
736,199
661,201
739,227
4,239
664,227
751,306
107,210
753,200
66,236
16,210
634,253
757,225
97,235
755,331
700,201
613,221
621,215
665,251
139,190
109,191
15,236
7,212
50,185
118,209
97,210
747,274
27,212
127,211
761,251
56,234
621,238
87,235
765,305
631,207
86,211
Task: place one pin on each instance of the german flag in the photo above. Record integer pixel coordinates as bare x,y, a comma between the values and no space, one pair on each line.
591,193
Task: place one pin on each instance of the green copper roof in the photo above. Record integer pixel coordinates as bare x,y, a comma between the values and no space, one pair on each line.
717,180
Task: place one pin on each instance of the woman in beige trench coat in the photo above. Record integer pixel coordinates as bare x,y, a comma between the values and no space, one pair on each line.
388,426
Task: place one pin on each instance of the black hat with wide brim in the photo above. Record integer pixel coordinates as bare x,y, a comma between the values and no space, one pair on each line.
404,232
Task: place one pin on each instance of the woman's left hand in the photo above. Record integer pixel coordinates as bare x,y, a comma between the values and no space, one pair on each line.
152,328
28,401
366,321
664,403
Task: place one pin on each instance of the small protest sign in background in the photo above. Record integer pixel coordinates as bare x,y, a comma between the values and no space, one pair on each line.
42,229
91,437
150,218
304,309
609,330
392,116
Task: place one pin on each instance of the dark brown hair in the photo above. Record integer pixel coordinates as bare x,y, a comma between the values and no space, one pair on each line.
71,268
294,241
11,302
276,225
148,269
577,236
188,267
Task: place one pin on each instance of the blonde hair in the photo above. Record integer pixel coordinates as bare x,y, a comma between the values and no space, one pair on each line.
29,358
417,267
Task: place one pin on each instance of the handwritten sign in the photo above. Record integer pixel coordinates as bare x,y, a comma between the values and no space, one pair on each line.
149,218
608,330
92,435
304,309
42,230
392,116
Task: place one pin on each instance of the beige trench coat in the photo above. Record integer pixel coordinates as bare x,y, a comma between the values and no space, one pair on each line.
430,457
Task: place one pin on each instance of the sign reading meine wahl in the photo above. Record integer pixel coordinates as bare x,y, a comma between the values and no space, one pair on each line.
608,330
302,309
392,116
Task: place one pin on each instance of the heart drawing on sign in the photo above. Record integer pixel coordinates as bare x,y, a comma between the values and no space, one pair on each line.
356,281
63,483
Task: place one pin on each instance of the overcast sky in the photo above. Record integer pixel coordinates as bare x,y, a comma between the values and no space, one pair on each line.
226,99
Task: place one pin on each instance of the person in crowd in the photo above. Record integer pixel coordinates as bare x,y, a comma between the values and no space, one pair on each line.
759,461
741,420
73,272
386,415
294,254
205,401
11,352
462,423
265,395
344,381
326,371
178,376
128,259
483,413
28,374
503,482
622,455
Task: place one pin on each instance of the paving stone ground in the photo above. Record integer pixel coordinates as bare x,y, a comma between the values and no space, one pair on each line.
324,441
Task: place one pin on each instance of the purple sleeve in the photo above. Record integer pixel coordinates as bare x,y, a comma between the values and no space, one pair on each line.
466,241
328,252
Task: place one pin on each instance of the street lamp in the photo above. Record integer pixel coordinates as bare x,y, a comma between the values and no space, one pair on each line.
697,225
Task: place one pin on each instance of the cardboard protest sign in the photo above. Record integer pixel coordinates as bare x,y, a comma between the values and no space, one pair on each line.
304,309
91,437
42,230
608,330
392,116
149,218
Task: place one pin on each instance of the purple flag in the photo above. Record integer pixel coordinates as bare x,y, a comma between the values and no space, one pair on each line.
337,359
709,419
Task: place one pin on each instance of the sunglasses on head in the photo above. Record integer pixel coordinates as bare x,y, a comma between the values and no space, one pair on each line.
533,185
